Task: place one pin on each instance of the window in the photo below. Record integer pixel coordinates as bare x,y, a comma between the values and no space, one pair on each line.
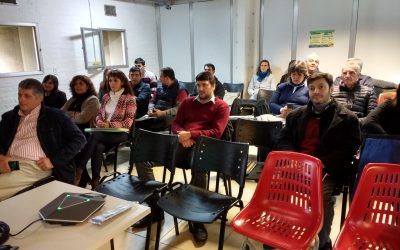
104,48
19,52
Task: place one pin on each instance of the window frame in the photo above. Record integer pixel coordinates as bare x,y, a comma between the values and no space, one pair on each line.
37,47
102,48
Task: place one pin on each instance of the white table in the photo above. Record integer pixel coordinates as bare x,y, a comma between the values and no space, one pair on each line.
22,209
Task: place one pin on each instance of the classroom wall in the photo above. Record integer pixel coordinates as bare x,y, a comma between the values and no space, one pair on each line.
377,34
59,23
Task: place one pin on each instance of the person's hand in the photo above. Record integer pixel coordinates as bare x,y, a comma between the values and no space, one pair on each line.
4,168
188,143
44,163
184,135
103,125
158,113
285,111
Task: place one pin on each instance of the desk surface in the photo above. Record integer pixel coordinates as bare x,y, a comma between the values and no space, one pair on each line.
22,209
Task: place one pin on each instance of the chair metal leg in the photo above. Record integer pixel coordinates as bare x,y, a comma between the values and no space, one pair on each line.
184,175
344,204
148,234
115,160
176,226
104,162
222,232
217,183
164,173
112,244
158,235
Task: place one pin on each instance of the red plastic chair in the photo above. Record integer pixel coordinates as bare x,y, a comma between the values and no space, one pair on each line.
286,209
373,221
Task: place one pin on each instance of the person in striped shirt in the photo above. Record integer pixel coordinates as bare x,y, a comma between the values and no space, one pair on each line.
41,139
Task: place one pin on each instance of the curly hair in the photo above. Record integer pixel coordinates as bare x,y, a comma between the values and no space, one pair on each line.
91,90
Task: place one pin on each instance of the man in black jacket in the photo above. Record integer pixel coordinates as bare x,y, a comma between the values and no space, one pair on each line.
42,140
328,131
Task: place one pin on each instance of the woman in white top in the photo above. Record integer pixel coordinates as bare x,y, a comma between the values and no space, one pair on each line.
263,79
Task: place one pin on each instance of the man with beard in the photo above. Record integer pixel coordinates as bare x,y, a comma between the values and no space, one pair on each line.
329,131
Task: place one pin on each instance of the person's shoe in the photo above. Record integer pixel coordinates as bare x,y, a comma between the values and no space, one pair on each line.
146,221
199,232
77,177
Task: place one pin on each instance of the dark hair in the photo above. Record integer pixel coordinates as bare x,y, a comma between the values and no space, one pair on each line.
140,60
299,67
33,84
168,72
397,99
135,69
206,76
103,85
125,82
259,65
52,78
328,78
210,65
90,91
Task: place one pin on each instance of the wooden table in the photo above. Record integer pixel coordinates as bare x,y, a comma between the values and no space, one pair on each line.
22,209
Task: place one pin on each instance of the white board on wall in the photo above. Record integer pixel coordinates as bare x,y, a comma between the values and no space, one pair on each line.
325,15
378,39
175,39
212,37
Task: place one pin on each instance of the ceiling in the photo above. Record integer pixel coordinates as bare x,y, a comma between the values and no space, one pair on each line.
167,3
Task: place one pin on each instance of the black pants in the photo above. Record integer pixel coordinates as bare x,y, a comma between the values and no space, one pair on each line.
97,143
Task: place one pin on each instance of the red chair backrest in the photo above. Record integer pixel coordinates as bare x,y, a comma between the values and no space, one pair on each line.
373,221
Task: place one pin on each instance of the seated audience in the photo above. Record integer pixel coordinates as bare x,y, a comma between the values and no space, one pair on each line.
286,77
83,106
141,90
53,97
43,140
164,105
219,88
204,114
350,93
363,79
263,79
116,111
385,119
103,89
327,130
312,61
294,92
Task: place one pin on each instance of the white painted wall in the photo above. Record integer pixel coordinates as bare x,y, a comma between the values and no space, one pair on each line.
378,39
59,24
325,15
175,37
277,40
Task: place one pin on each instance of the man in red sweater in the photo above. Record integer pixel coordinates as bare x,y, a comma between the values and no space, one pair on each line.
203,114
